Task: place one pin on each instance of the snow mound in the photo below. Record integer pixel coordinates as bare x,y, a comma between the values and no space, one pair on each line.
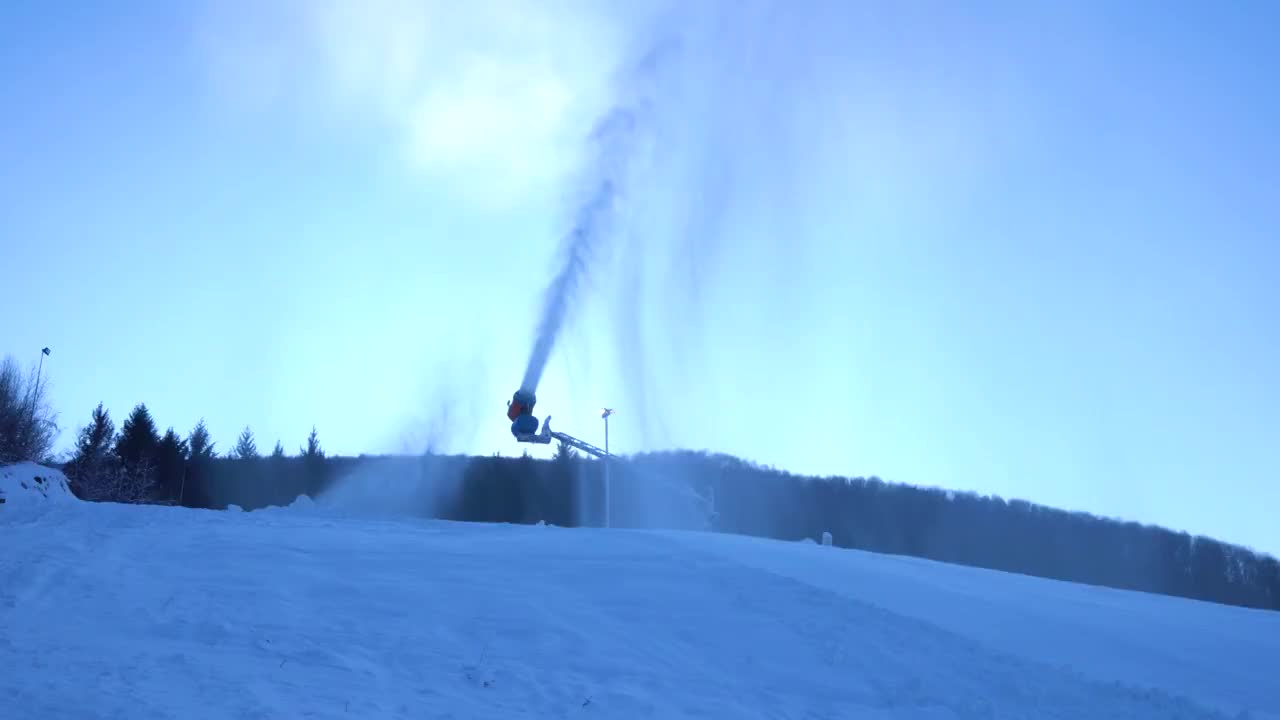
29,483
301,504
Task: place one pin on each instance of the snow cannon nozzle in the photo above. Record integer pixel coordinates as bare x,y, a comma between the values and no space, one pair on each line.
522,403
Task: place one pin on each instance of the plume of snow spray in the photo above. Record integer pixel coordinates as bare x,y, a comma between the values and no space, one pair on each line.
583,240
614,144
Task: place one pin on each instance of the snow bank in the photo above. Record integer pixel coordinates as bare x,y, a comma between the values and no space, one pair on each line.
301,504
29,483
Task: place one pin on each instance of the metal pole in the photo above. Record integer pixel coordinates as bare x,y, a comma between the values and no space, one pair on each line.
608,461
35,391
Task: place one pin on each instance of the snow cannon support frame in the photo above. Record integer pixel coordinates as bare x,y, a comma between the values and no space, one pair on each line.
524,426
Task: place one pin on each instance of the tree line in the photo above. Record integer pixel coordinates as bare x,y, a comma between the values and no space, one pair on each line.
685,490
138,464
690,490
726,494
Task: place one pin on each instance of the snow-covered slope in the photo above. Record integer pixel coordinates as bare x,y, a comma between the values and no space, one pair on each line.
147,612
27,484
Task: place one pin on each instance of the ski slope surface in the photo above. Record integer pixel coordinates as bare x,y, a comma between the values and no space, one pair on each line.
115,611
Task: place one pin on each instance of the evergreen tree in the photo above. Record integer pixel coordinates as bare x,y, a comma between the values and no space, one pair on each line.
565,455
94,461
246,448
313,450
136,445
560,485
200,445
282,480
201,452
314,475
96,438
171,464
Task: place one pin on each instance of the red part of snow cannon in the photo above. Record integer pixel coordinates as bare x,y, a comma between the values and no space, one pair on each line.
521,404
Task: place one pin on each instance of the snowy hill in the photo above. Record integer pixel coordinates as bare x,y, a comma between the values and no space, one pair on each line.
28,484
161,612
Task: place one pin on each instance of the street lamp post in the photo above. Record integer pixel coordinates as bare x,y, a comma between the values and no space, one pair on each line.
40,366
608,461
35,391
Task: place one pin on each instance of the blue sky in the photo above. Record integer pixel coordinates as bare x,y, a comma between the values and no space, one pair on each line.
1019,250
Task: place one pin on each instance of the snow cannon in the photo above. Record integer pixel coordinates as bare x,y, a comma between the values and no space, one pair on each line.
520,413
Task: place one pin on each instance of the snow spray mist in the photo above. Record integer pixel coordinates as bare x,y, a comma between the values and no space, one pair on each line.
614,143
